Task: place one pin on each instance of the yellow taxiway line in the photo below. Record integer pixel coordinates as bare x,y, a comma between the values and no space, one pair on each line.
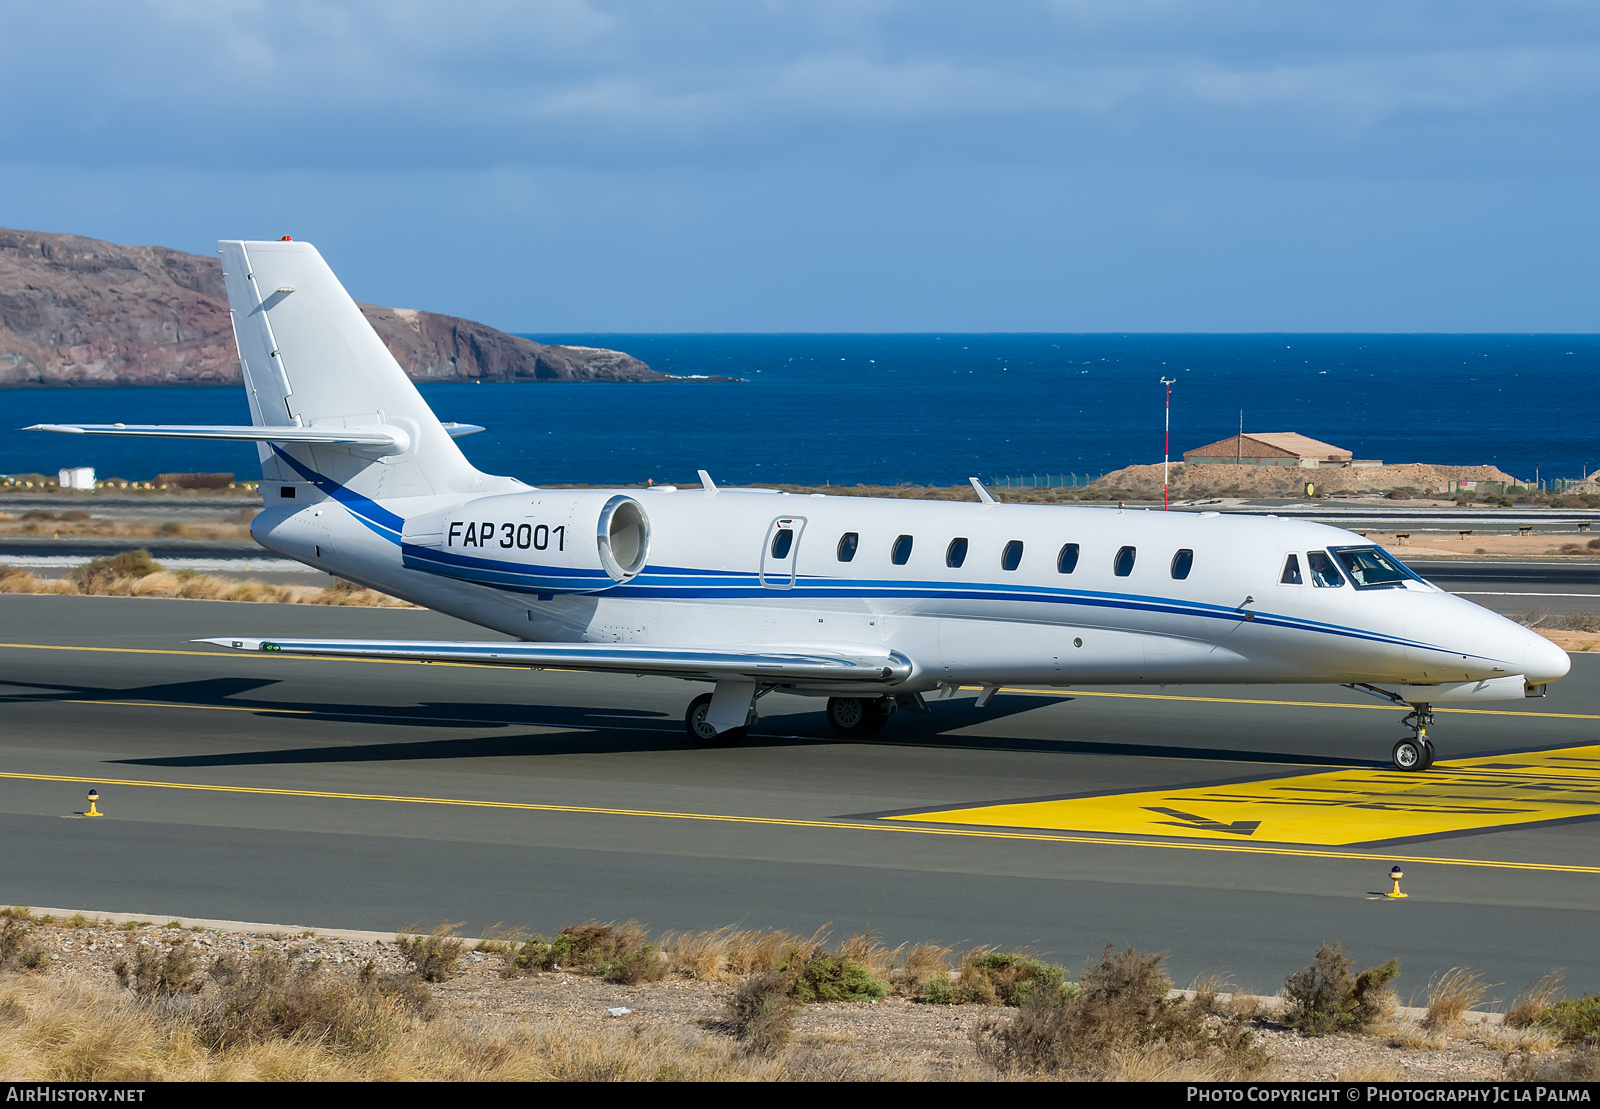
828,825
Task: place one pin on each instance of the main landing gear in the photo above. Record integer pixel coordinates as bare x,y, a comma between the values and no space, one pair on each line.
859,715
1415,753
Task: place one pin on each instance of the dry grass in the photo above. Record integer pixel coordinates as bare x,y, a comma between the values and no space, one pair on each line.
1410,1035
1530,1006
1451,997
141,578
1516,1040
66,1030
920,965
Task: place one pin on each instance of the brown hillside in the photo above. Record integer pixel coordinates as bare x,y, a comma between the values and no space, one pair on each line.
77,311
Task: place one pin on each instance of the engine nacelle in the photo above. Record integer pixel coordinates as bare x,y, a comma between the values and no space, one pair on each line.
544,541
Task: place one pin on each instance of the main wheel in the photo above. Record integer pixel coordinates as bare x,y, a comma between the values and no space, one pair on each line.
859,715
703,734
1409,754
1427,755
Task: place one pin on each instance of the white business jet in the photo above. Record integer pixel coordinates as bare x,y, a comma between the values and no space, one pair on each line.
870,603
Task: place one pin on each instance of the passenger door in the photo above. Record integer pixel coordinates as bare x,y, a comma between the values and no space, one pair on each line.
779,551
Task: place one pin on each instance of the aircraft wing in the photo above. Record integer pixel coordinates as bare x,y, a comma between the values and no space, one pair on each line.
623,658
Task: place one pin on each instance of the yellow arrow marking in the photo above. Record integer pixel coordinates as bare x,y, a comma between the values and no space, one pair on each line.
1333,807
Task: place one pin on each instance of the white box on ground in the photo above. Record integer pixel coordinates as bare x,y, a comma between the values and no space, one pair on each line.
78,477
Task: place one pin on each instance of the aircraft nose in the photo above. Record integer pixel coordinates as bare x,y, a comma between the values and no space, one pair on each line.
1542,660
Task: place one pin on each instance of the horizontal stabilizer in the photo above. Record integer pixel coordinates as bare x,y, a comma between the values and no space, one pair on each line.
682,662
383,435
283,433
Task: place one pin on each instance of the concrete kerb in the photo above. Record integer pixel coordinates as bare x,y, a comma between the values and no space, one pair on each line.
242,927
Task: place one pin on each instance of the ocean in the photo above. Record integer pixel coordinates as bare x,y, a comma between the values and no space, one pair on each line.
936,408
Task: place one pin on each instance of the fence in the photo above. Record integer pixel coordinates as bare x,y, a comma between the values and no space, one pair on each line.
1501,488
1042,481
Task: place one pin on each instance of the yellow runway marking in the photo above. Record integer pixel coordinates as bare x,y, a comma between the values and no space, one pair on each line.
869,826
1332,808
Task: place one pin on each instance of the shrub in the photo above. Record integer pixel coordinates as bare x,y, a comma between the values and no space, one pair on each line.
1123,1010
820,975
272,996
18,949
1324,998
434,957
1005,978
761,1012
102,572
157,974
617,953
1574,1021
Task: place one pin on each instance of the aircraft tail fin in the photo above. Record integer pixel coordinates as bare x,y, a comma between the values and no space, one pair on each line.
311,360
329,405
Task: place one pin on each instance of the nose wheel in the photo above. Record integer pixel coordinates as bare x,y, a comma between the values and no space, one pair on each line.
1415,753
702,734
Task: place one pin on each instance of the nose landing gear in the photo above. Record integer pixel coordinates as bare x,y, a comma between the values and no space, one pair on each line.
1415,753
703,734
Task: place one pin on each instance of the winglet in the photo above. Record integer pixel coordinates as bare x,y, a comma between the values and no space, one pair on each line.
983,494
711,486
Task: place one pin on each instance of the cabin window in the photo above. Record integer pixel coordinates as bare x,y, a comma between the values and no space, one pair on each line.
900,553
1011,557
848,542
1122,566
956,553
782,543
1373,567
1067,560
1323,571
1182,563
1291,571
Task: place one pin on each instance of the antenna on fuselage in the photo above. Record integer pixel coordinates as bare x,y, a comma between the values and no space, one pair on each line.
705,480
983,494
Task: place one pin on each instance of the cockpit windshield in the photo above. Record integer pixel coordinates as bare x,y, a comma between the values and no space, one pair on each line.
1373,567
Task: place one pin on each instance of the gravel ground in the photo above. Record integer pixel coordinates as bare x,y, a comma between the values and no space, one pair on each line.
892,1037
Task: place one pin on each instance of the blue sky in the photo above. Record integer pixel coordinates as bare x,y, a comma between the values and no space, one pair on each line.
1128,165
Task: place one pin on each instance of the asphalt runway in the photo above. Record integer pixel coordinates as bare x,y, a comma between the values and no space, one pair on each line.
1518,585
378,795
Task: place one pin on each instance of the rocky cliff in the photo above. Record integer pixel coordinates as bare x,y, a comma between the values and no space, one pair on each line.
76,311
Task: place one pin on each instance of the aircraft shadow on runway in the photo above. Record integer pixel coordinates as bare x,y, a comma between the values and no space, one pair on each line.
602,731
